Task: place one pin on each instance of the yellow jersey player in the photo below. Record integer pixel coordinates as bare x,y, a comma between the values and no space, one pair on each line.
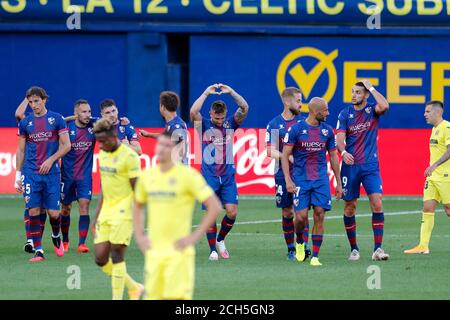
170,190
437,184
112,227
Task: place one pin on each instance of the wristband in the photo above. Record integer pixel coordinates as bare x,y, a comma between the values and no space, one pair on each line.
18,175
343,152
372,89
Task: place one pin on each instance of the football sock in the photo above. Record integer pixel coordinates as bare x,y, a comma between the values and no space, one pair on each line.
316,243
227,224
130,283
65,225
378,228
211,236
35,232
26,222
288,232
426,228
306,234
83,227
119,271
350,228
56,225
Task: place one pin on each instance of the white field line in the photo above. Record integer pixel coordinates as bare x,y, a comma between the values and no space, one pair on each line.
398,213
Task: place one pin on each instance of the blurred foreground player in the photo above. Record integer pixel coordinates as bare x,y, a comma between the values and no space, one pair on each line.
170,190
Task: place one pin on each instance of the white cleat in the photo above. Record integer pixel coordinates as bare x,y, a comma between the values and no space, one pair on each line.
354,256
223,250
379,255
213,256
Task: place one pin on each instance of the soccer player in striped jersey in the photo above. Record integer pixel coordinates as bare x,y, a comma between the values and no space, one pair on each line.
168,105
28,246
126,133
309,141
76,174
437,184
43,141
218,168
357,134
275,132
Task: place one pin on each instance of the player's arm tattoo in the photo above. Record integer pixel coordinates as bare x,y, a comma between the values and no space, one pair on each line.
242,110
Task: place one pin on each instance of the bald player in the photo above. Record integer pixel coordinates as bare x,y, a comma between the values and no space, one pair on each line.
309,142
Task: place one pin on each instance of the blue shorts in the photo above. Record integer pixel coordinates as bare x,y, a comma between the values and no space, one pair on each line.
353,176
283,198
41,190
312,193
72,190
225,188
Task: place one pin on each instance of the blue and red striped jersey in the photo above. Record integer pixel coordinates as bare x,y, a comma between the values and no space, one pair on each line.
361,129
77,164
275,132
310,146
217,147
42,140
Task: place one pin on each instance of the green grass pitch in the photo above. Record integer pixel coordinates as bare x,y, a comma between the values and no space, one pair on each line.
258,268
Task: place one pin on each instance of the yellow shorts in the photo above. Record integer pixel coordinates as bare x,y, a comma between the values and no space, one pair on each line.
169,277
437,190
115,232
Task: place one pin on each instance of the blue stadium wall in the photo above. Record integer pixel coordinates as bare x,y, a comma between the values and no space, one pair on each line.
132,50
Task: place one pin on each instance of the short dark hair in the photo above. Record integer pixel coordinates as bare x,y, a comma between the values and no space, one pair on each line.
37,91
219,106
290,92
169,100
80,101
107,103
104,125
360,84
172,136
436,103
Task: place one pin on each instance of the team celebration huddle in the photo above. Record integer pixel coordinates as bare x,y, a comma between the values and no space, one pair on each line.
55,158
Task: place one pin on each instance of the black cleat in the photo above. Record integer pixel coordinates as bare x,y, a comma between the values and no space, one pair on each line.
307,254
28,247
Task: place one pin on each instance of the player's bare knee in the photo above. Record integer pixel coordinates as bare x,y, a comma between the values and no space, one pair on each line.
232,213
65,210
287,213
350,208
100,261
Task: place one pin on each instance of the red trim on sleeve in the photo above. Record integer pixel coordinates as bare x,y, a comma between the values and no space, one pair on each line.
289,144
341,130
63,130
330,150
